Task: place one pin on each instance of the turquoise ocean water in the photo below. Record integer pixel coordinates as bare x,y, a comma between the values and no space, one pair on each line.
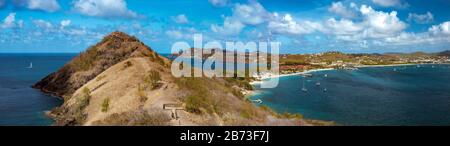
406,95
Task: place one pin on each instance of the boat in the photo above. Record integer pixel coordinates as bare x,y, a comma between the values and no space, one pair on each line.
303,88
257,101
395,69
306,75
326,75
325,90
31,65
318,84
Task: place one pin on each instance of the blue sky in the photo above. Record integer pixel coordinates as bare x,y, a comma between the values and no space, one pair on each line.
302,26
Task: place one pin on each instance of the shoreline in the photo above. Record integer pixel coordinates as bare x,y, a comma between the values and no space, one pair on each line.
290,74
327,69
249,94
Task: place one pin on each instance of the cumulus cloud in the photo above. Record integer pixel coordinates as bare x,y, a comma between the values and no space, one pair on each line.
436,34
390,3
230,27
343,27
252,13
287,25
43,5
383,28
441,29
43,24
181,19
10,22
174,34
219,3
185,33
374,25
381,24
341,10
421,18
65,23
104,8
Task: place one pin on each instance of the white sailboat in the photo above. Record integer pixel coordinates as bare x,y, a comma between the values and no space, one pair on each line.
31,65
257,101
303,88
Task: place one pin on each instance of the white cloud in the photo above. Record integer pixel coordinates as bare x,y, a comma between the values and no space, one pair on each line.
375,26
343,27
421,18
230,27
181,19
10,22
45,5
65,23
381,24
252,13
104,8
43,24
390,3
341,10
287,25
441,29
436,34
174,34
219,3
186,33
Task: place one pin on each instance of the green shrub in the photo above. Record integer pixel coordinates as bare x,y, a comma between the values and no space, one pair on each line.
100,78
152,79
198,95
245,114
141,94
86,59
127,65
105,105
83,101
194,104
136,118
291,116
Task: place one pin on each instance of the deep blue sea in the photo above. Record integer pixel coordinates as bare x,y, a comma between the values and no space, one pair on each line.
19,103
406,95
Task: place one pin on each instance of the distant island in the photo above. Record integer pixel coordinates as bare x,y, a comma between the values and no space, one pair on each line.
292,63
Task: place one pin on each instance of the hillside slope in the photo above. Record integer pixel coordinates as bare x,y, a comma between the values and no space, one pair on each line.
113,49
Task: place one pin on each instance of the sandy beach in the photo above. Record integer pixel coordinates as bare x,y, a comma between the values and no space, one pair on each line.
291,74
325,69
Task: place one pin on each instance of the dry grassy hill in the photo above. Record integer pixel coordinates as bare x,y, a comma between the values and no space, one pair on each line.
120,81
